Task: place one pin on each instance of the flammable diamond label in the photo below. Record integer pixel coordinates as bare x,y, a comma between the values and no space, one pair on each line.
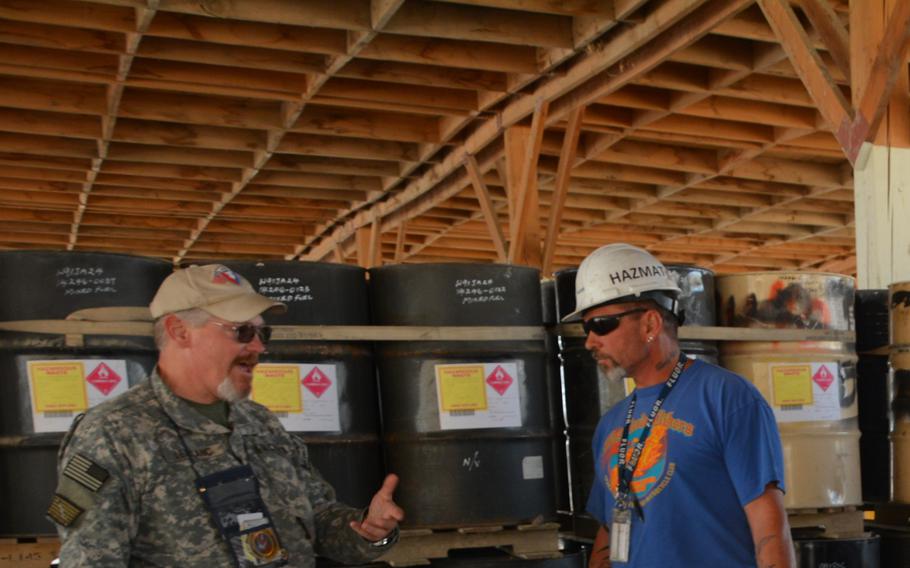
317,382
500,380
104,379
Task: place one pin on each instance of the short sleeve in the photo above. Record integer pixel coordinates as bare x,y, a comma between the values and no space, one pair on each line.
752,450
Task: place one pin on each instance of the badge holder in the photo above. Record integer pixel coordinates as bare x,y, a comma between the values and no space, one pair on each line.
620,535
232,497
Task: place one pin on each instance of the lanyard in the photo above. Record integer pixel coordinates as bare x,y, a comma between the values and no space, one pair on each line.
627,468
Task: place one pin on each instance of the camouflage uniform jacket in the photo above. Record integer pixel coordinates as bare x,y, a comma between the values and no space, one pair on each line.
147,512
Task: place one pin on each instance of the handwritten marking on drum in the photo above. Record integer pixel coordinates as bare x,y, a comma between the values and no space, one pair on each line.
471,462
84,280
479,290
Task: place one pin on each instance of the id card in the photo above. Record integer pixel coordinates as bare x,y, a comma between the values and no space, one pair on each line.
232,497
620,535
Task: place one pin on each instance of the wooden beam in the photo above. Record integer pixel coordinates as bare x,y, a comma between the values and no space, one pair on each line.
486,206
524,244
612,67
827,96
891,58
351,15
399,241
482,24
830,30
563,175
375,252
362,239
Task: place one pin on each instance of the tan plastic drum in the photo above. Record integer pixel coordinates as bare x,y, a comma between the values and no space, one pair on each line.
900,436
796,300
810,385
899,300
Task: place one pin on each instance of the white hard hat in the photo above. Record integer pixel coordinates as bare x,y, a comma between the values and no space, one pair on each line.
622,272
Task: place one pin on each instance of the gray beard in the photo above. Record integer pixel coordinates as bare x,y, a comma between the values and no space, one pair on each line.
616,374
227,392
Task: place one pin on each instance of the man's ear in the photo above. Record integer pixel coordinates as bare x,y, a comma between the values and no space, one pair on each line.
177,330
654,322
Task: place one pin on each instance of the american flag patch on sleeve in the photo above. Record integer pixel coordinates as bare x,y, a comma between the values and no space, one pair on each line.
63,511
85,472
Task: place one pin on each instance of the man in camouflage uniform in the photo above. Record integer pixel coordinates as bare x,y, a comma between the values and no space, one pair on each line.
127,491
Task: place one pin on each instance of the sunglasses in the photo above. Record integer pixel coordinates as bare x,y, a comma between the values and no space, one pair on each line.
602,325
245,332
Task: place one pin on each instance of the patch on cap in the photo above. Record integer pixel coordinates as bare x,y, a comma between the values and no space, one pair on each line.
224,275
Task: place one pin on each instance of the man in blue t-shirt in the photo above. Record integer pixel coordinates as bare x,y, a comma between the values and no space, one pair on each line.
688,468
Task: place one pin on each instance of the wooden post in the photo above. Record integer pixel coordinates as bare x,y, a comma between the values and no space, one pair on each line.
522,153
375,253
881,178
399,240
363,247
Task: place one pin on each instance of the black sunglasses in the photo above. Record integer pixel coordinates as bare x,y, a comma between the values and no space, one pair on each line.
245,332
602,325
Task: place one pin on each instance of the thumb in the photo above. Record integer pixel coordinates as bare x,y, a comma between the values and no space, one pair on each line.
388,486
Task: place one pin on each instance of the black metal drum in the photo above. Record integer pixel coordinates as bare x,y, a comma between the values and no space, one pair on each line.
47,379
468,425
323,391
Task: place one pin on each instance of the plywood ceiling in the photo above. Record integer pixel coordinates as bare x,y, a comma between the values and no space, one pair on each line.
291,129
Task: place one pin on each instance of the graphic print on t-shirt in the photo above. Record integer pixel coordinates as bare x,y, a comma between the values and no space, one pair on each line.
653,472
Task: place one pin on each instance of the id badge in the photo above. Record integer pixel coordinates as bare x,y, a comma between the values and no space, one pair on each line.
233,500
620,535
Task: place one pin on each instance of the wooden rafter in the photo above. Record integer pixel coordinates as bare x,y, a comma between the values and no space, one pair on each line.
486,206
523,194
831,31
563,174
827,96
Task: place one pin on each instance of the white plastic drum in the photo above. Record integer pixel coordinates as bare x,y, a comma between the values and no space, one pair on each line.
810,385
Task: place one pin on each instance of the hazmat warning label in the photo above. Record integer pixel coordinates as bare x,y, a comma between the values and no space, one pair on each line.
61,389
806,392
304,396
479,395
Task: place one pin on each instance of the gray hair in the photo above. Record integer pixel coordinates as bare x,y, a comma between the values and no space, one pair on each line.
194,317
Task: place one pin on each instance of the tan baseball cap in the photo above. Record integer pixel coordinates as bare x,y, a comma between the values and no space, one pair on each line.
214,288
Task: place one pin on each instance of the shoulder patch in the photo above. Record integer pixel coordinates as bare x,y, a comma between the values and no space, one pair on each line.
85,472
63,511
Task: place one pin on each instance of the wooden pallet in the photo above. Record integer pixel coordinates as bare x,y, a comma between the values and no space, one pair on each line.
35,552
417,547
847,522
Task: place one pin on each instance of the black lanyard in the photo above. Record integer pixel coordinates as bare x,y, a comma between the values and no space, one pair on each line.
627,469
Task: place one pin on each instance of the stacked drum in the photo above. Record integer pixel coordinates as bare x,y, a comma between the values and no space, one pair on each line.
323,391
468,425
899,301
872,340
46,379
811,387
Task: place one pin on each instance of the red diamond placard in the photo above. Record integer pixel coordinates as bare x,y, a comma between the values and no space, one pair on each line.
823,377
316,381
500,380
104,379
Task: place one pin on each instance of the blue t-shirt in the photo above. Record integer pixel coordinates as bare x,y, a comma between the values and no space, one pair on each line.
713,448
